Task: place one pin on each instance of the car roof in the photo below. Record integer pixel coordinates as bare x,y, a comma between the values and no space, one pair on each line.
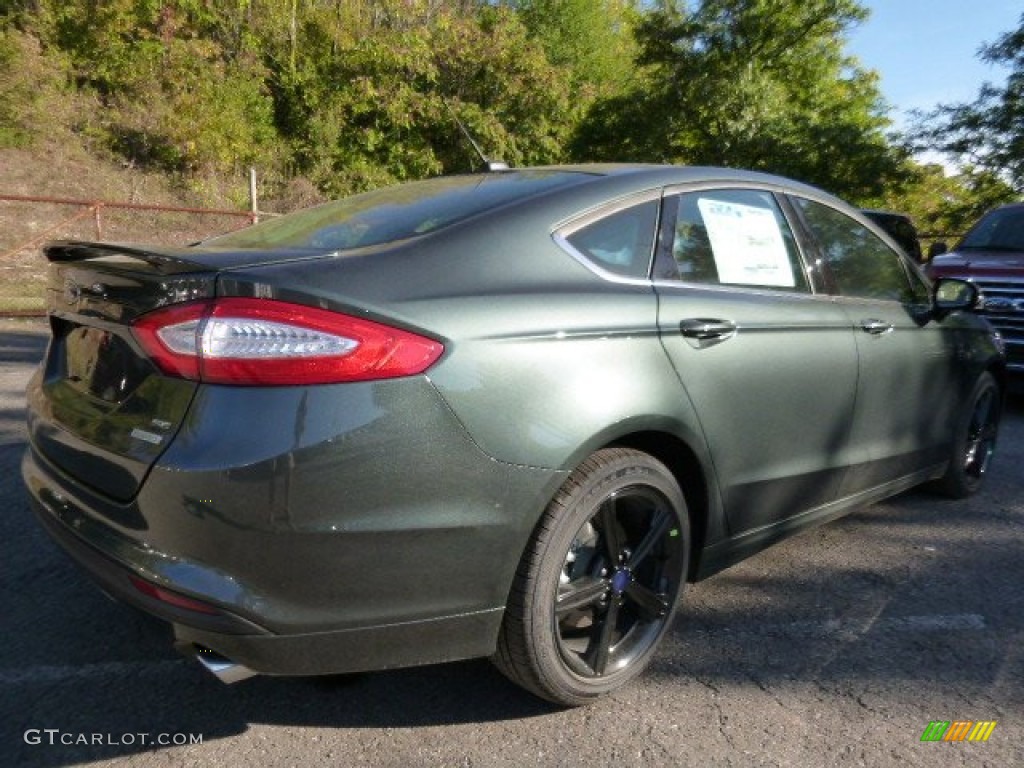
611,180
584,188
673,173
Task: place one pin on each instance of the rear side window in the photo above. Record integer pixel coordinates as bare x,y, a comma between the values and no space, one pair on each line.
733,237
621,242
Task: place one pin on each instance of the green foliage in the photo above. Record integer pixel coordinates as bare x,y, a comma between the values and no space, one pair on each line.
365,110
16,93
350,93
944,207
987,133
353,94
170,97
760,84
34,98
195,111
592,39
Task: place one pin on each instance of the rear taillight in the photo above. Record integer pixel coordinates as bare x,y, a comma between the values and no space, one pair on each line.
265,342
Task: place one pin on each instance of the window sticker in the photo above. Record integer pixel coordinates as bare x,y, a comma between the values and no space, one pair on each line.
747,244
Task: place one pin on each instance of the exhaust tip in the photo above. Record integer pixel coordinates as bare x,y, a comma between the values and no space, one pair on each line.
222,668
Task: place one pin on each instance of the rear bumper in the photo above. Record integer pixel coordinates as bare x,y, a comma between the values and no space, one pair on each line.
111,560
103,554
379,544
449,638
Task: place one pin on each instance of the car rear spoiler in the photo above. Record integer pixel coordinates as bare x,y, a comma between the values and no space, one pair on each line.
166,260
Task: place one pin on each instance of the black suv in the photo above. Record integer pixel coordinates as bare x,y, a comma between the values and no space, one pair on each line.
901,229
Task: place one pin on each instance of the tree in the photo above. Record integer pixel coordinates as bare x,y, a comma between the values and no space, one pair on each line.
592,38
352,94
943,207
171,95
761,84
363,108
987,133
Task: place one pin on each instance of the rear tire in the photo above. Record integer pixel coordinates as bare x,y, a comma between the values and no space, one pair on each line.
598,584
974,441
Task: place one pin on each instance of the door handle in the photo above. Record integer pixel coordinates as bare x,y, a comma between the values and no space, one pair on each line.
704,329
875,327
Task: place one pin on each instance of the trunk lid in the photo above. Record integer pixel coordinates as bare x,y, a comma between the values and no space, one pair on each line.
99,409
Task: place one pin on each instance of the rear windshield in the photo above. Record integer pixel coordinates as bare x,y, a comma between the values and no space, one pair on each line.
395,213
998,230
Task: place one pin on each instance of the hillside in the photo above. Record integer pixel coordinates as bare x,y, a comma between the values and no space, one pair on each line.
67,170
171,102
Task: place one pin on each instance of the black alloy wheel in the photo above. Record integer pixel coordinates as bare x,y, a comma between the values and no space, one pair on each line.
981,433
597,588
974,442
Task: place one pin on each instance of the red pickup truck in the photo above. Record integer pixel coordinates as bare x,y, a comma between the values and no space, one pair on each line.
991,255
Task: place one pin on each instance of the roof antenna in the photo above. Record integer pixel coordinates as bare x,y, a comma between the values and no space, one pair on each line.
490,165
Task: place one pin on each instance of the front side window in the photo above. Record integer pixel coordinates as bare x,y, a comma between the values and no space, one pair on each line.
621,242
862,265
733,237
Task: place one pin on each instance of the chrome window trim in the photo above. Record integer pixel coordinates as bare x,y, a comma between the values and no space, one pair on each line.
740,289
564,230
611,277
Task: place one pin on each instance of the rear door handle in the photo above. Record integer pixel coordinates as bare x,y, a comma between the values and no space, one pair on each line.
704,329
875,327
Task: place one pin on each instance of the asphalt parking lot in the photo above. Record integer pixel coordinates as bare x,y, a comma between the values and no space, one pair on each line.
834,648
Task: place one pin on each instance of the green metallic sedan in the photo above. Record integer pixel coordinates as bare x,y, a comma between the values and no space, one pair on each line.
504,415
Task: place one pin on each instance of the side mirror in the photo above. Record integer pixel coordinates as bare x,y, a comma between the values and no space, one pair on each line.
937,249
952,294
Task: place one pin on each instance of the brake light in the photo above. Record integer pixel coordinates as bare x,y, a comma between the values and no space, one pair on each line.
265,342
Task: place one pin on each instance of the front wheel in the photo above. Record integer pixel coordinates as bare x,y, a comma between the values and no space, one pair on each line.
974,442
599,582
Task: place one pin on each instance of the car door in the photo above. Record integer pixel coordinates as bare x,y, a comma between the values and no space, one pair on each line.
769,363
908,365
